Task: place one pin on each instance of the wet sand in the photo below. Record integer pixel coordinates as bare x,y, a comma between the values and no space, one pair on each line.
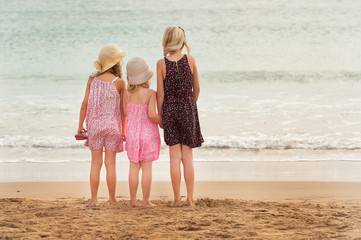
316,171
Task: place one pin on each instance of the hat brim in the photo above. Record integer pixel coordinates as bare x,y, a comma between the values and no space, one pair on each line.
119,57
140,78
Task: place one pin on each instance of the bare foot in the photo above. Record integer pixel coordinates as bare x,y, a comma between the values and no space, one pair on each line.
191,203
148,204
177,203
112,201
133,204
92,203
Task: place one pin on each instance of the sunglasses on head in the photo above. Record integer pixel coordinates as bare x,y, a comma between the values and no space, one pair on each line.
183,33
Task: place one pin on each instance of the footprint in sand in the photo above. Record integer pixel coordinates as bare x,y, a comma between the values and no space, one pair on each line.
251,234
8,224
221,221
261,210
205,223
224,235
44,235
189,228
42,214
339,214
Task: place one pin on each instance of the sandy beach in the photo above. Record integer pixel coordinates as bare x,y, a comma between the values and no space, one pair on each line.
235,210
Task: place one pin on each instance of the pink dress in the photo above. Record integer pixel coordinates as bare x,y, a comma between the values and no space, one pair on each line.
103,117
143,140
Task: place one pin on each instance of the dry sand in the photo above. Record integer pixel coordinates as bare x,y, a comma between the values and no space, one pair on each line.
258,210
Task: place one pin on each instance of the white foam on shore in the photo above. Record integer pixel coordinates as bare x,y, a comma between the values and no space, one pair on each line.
247,141
257,141
40,142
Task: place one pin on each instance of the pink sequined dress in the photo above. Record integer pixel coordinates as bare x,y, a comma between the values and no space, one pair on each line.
143,140
103,117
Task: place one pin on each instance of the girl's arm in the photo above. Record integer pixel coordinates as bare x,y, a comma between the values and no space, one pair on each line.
122,107
196,86
84,106
160,86
154,117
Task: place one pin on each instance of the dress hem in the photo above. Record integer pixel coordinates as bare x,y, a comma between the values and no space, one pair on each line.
189,145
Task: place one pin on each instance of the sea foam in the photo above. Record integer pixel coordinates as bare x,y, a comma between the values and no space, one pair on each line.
247,141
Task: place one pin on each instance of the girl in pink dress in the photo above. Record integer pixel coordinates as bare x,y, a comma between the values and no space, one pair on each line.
104,119
143,140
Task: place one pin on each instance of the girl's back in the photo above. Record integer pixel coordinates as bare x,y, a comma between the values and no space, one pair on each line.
104,119
104,100
143,140
178,82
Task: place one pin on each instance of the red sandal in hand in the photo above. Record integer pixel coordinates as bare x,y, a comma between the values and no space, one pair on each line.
81,136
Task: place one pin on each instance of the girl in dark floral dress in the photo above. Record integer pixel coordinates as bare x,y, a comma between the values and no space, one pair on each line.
177,92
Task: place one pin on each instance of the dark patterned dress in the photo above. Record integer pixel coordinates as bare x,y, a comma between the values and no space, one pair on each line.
179,110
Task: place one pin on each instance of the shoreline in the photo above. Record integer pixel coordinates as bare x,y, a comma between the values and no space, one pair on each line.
317,171
162,190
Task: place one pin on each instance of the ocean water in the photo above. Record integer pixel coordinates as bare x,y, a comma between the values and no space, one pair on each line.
280,80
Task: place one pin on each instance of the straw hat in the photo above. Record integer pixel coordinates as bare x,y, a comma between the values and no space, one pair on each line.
109,56
138,71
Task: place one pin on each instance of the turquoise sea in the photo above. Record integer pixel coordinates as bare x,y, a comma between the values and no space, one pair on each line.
280,80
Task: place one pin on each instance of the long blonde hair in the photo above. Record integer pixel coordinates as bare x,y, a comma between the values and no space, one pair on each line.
131,88
115,70
174,39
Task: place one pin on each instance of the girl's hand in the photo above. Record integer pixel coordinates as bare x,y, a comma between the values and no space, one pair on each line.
161,122
81,129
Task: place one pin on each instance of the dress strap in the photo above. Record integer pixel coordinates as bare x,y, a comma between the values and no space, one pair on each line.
114,79
146,90
127,93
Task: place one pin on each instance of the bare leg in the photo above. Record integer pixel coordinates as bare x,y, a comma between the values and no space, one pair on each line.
133,182
187,160
175,155
96,165
146,182
110,157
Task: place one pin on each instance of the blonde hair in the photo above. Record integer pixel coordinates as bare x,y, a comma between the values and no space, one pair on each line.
131,88
115,70
174,39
